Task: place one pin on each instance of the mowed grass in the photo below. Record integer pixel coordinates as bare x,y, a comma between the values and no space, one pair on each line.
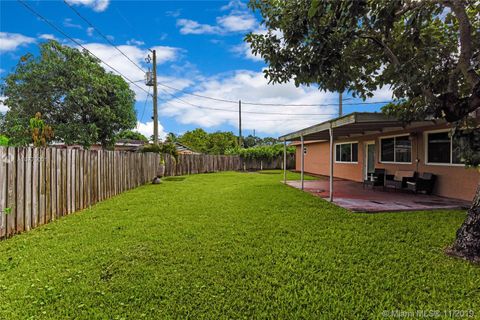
233,245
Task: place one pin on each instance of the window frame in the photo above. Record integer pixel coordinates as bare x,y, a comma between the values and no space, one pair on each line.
427,163
394,151
351,152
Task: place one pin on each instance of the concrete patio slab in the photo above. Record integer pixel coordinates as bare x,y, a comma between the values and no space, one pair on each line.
352,196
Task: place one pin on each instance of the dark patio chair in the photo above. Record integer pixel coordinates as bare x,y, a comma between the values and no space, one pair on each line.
375,179
399,180
423,183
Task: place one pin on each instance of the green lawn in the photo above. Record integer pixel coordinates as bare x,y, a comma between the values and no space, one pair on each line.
233,245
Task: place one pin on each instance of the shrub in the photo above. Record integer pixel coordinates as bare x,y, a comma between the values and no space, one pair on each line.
3,141
167,148
260,152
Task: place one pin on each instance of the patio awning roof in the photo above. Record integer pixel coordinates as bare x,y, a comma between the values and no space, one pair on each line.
350,125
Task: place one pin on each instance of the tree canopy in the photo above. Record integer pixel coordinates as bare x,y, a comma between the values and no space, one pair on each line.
82,102
132,135
426,51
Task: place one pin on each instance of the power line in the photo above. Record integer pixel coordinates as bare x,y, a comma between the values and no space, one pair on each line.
101,34
76,42
269,104
249,112
145,104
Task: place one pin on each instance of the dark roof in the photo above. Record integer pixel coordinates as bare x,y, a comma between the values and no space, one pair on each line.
180,147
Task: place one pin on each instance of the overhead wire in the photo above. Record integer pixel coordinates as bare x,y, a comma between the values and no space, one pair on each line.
102,35
33,11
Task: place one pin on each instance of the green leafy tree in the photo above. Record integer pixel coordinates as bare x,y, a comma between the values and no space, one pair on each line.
75,95
171,137
219,141
132,135
41,132
3,141
195,139
251,141
428,52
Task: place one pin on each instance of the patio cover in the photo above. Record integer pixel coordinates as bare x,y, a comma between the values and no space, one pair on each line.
348,126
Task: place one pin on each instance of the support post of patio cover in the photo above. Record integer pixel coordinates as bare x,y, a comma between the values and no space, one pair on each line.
302,157
330,130
284,161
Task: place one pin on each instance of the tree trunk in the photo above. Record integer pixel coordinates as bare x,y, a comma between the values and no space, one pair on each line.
467,243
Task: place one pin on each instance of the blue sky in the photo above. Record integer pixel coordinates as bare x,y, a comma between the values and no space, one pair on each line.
200,50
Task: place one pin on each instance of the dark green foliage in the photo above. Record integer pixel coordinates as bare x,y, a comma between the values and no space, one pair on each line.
233,246
261,152
171,137
252,141
210,143
132,135
167,148
428,52
81,101
3,140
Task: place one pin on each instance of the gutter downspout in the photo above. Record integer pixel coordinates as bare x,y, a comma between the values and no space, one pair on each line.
330,130
302,157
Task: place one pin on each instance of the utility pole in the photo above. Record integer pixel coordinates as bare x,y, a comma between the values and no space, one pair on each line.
340,102
240,143
155,107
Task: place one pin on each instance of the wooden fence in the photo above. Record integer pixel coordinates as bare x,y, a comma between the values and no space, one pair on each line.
39,185
200,163
268,164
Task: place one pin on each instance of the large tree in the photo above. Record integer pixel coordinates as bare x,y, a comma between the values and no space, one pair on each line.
427,51
81,101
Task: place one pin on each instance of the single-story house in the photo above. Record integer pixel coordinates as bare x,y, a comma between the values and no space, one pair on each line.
360,142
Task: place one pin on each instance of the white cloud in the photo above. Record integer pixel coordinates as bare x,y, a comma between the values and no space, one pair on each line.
11,41
135,42
119,62
173,13
3,107
234,4
96,5
382,94
90,31
193,27
237,20
67,22
48,36
147,129
245,51
251,86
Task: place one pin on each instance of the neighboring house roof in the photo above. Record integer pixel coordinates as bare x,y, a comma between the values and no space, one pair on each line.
353,124
184,149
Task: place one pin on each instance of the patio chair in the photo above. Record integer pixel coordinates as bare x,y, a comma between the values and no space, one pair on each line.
399,180
375,179
423,183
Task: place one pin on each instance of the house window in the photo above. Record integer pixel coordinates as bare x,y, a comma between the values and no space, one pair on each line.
396,149
441,148
346,152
